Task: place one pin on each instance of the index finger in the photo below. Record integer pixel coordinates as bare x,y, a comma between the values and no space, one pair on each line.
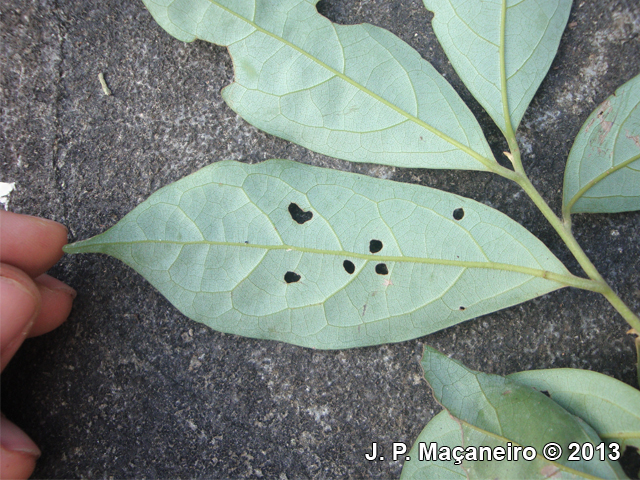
29,243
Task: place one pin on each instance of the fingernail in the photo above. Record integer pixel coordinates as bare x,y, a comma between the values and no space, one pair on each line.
59,286
66,289
55,285
15,440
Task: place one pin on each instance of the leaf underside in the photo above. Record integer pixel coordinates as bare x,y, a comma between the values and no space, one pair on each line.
353,92
501,49
603,169
323,258
610,406
492,410
447,431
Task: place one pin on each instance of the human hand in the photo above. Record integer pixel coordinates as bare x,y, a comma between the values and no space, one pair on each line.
31,303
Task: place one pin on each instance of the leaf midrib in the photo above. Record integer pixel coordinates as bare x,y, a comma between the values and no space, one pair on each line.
488,163
563,280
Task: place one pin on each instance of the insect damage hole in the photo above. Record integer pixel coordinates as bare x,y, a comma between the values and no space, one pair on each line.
375,246
381,269
349,266
291,277
298,214
458,213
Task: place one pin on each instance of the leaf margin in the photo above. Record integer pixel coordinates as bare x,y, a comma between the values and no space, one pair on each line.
503,117
557,280
483,159
454,404
572,193
567,386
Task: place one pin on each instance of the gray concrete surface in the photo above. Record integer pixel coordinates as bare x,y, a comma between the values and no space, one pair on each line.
128,387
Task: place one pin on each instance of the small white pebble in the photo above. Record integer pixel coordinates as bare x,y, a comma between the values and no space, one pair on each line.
5,192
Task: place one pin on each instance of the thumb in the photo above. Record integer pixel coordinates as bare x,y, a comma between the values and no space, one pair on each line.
18,453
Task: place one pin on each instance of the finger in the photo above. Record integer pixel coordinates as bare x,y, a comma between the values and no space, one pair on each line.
18,453
19,308
57,299
29,243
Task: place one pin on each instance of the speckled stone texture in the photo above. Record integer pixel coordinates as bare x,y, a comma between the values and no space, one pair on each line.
129,387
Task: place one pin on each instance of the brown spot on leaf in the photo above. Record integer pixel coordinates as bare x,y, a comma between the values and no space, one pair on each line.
634,138
606,128
605,125
550,471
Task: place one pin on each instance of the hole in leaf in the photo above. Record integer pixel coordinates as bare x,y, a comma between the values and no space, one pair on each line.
381,269
462,309
298,214
375,246
458,213
349,266
291,277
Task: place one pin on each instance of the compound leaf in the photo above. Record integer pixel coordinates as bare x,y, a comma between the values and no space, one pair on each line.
324,258
603,170
501,49
611,407
355,92
495,411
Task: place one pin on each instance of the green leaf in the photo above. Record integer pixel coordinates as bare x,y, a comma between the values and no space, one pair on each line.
449,432
603,169
501,49
445,431
324,258
611,407
353,92
497,407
